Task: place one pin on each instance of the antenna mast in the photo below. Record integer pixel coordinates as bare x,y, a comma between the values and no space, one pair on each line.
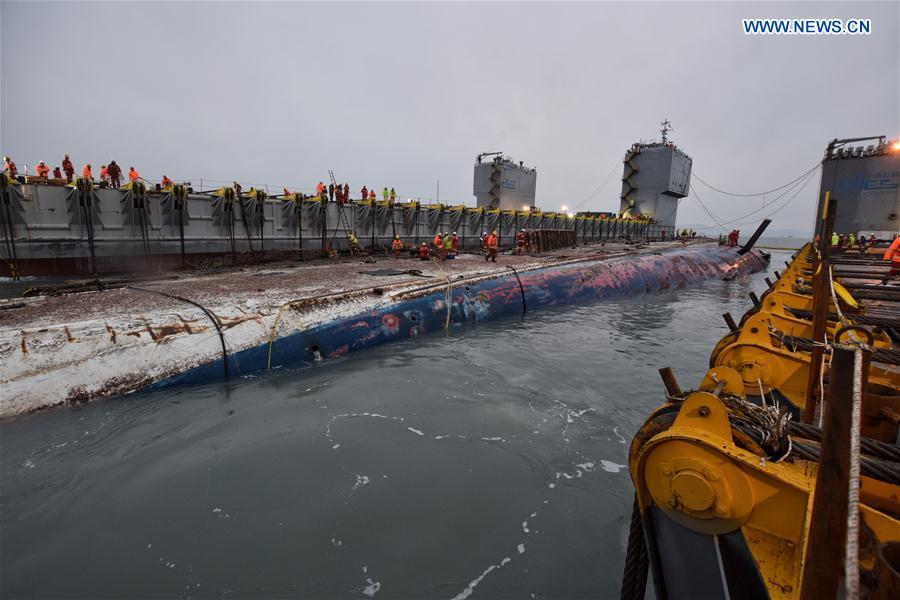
666,128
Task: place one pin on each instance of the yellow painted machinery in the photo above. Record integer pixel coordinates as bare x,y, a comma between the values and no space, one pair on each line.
732,499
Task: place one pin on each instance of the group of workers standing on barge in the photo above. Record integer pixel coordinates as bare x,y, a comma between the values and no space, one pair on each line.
110,174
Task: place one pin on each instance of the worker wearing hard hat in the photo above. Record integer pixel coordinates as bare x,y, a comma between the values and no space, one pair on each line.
10,167
41,169
438,245
397,246
521,241
448,245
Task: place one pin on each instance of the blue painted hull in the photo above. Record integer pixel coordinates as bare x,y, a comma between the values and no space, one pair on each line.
513,294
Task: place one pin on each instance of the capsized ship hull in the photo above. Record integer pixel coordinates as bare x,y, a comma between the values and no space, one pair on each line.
179,343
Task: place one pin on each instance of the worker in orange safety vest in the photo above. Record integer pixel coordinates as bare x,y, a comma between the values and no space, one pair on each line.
133,175
438,242
166,182
490,244
893,255
41,169
86,172
10,167
397,246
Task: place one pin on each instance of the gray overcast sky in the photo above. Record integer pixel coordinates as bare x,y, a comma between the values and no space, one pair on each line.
403,94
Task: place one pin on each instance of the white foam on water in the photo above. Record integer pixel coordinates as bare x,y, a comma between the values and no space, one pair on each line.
586,466
521,548
619,435
361,480
525,527
372,587
415,431
473,584
611,467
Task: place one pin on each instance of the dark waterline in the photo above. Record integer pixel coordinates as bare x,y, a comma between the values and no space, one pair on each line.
490,462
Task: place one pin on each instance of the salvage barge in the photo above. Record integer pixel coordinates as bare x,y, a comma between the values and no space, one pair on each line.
779,475
83,346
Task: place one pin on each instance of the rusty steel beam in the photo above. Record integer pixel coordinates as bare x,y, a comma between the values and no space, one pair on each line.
729,320
821,296
668,378
824,562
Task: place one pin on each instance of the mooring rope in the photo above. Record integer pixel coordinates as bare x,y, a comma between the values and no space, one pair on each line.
637,562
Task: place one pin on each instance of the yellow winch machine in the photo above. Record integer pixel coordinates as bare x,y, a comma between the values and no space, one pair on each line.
732,498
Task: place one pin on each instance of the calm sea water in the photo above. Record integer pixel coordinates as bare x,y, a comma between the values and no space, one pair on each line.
490,462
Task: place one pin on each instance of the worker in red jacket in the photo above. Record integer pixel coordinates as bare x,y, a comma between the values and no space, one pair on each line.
166,182
364,192
455,241
115,173
41,169
423,251
521,241
68,168
57,174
